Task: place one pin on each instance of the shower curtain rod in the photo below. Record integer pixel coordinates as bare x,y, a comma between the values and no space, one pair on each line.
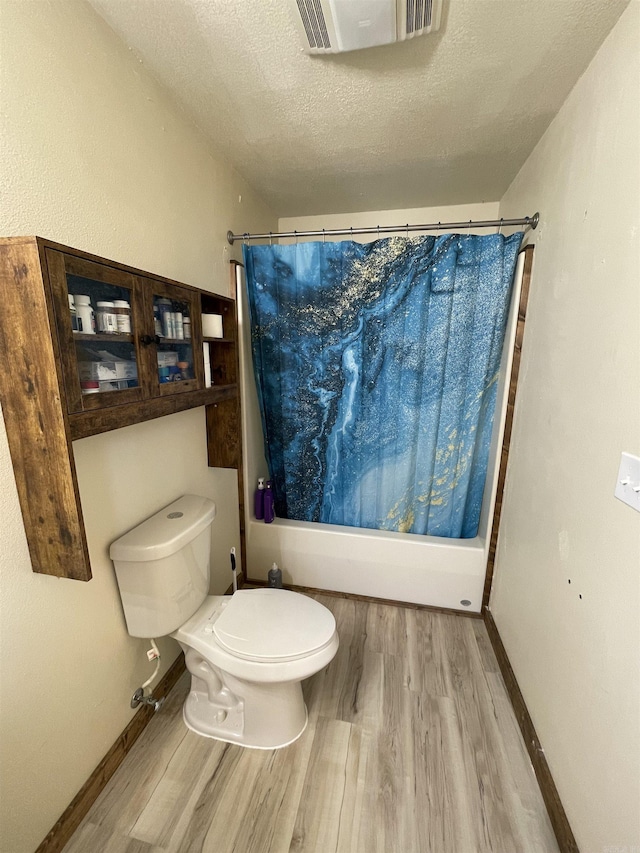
388,229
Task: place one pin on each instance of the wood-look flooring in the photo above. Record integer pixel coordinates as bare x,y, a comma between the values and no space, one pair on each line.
412,747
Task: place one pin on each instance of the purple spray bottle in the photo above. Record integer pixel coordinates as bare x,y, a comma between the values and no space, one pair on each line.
269,513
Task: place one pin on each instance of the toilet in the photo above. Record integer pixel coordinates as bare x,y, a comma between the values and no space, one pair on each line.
247,653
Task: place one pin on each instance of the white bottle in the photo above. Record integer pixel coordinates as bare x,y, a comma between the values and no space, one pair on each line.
178,326
74,314
171,324
86,317
164,308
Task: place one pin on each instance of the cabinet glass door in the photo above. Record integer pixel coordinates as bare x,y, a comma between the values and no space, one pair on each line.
96,316
176,321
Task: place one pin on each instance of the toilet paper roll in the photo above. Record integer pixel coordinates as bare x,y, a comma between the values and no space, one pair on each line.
207,365
212,325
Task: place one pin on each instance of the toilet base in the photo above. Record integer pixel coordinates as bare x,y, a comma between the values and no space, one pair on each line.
205,729
226,708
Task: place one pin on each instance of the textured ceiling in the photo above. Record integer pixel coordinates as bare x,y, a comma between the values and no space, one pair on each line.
443,119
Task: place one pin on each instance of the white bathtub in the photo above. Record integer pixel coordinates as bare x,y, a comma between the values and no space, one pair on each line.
400,566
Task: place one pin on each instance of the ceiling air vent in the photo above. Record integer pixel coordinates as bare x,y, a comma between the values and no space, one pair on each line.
337,26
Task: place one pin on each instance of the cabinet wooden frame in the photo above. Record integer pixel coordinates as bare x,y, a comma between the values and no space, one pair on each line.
59,266
44,409
176,293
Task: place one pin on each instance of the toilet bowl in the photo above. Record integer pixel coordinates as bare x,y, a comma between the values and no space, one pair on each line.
247,653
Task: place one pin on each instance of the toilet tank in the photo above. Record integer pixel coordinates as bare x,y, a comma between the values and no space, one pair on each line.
162,566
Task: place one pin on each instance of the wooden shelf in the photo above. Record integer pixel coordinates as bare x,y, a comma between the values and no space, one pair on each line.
83,424
219,340
114,339
96,421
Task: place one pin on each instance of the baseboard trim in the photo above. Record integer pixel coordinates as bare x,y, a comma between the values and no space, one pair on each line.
70,819
562,829
369,599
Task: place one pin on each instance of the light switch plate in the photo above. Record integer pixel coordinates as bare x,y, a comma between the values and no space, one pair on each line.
628,485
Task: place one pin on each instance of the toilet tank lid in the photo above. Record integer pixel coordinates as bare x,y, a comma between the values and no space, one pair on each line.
166,532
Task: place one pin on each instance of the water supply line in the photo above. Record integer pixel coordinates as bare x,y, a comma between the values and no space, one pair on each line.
139,697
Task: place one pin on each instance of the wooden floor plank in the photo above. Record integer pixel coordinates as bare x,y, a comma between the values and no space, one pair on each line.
426,673
181,780
411,747
277,790
489,662
442,821
317,827
535,830
354,834
480,746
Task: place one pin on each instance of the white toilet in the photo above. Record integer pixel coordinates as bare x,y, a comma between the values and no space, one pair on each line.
247,653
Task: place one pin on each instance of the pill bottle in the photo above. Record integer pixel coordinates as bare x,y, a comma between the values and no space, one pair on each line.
157,322
164,310
85,315
122,310
106,320
74,313
178,328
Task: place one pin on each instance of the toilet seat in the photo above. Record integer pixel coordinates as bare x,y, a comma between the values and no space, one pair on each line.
198,633
273,625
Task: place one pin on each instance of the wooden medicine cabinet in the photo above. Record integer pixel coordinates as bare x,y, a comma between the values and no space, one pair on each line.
127,347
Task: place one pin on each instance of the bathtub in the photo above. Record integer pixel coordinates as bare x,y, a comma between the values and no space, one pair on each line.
429,570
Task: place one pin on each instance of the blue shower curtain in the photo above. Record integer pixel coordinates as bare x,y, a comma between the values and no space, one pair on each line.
376,369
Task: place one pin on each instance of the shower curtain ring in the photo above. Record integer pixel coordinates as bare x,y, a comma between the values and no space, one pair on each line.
378,231
324,236
469,229
407,230
351,229
500,228
244,238
270,238
295,234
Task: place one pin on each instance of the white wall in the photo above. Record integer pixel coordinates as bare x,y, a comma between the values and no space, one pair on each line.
369,218
575,647
95,155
